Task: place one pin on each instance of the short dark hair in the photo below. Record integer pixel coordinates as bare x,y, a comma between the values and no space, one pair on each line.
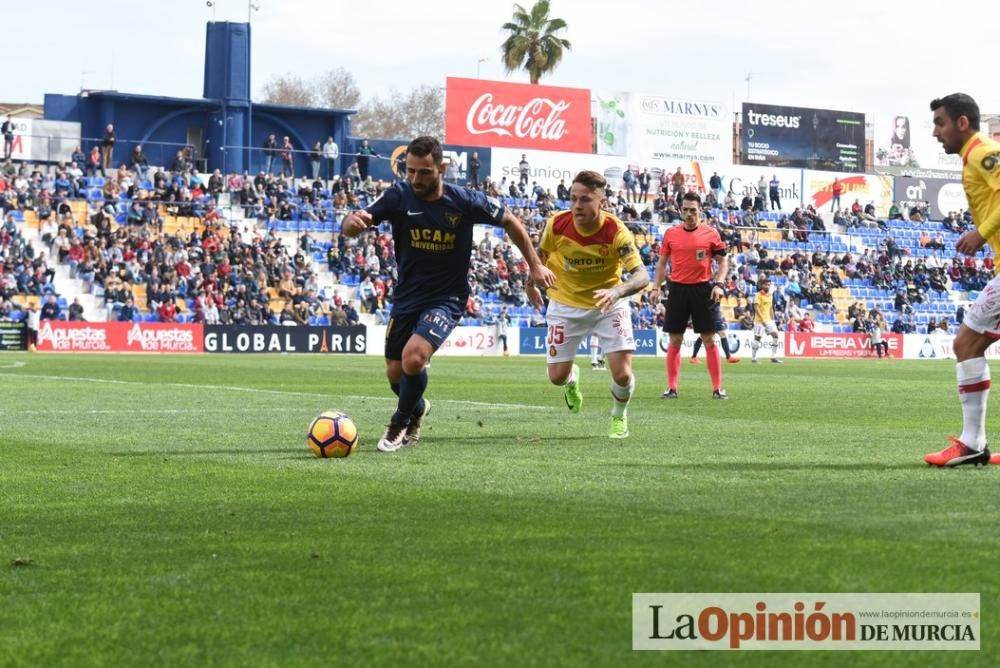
590,179
957,105
691,197
426,145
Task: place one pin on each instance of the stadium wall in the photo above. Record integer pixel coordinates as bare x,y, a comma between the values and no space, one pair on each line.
149,337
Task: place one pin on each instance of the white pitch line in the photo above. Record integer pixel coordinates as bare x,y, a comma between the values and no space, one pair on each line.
257,390
12,365
141,411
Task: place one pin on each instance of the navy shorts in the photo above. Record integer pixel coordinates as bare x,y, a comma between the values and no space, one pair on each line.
433,323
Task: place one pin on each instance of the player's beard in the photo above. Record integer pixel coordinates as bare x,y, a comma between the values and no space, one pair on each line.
422,190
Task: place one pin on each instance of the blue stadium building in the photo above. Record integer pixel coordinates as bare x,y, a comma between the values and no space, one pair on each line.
224,129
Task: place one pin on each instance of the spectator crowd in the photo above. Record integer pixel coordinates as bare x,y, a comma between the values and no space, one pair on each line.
231,265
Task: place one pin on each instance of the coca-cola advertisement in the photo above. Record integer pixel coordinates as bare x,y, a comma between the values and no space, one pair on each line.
525,116
119,337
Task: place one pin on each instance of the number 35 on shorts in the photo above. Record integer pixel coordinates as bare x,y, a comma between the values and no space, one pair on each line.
556,337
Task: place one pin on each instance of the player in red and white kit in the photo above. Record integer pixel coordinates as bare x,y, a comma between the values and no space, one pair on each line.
956,126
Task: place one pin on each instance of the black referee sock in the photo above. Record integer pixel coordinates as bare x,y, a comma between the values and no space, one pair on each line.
724,340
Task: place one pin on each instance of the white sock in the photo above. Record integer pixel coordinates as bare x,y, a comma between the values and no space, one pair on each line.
571,380
973,392
774,348
755,346
621,394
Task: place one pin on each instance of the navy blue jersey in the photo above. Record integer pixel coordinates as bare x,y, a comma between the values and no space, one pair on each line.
433,242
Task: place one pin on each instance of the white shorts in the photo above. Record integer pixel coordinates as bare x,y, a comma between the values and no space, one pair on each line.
568,325
984,316
766,327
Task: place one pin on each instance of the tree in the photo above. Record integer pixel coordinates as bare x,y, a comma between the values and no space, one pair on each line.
337,89
402,116
288,89
419,111
532,43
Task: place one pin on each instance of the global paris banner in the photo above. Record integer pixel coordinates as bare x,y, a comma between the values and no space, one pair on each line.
782,136
281,339
523,116
118,337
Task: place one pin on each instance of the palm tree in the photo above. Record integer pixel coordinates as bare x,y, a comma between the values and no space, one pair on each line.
532,43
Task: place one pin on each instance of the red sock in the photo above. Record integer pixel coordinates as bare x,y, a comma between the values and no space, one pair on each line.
714,364
673,367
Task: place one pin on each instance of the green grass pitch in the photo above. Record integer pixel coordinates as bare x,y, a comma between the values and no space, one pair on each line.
159,510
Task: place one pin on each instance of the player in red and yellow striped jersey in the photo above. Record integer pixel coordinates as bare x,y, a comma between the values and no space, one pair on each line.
587,249
956,126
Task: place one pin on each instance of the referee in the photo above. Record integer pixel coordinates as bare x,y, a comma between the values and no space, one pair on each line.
693,292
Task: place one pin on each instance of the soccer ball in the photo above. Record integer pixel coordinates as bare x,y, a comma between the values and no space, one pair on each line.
332,434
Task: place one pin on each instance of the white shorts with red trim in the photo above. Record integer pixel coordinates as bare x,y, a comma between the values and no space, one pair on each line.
984,316
567,325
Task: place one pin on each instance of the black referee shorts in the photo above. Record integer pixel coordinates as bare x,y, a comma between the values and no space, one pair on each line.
692,302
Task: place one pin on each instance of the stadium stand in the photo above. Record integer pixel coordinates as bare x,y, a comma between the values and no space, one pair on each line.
160,245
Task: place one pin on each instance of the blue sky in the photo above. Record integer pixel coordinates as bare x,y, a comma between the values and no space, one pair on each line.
873,57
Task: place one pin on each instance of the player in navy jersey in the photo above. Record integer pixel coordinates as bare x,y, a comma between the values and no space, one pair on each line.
432,224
